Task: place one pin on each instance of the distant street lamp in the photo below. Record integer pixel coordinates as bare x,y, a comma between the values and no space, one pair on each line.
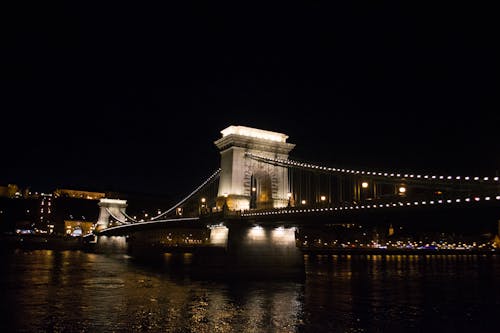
364,189
203,205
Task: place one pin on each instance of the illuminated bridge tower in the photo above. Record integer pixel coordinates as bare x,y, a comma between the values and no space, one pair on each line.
110,207
246,183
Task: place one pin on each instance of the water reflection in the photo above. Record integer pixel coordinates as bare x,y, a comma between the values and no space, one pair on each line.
73,291
395,293
78,292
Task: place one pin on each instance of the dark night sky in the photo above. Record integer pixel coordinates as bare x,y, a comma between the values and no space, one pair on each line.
130,97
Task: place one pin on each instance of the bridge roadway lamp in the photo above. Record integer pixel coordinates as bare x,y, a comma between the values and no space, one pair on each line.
202,205
402,190
364,184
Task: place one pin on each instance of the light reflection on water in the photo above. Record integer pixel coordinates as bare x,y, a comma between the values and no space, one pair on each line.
74,291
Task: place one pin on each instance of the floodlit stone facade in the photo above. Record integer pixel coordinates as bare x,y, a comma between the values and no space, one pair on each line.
246,182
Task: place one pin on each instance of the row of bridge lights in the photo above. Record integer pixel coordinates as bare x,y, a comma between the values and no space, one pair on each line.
374,173
374,206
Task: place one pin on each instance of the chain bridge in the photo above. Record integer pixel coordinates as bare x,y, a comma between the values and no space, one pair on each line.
260,192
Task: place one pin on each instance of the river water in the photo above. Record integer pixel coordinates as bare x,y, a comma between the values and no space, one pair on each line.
76,291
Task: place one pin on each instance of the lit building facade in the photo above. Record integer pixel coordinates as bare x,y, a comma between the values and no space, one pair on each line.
88,195
45,221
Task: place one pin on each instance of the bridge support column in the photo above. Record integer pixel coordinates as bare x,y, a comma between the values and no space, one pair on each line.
263,251
115,207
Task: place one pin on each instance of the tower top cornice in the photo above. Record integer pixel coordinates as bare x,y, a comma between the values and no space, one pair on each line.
254,133
253,138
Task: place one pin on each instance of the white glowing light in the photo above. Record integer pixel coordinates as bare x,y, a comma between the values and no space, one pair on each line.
113,201
257,233
254,133
218,235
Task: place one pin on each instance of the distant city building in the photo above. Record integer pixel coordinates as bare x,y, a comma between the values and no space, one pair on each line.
78,194
24,211
45,222
10,191
66,211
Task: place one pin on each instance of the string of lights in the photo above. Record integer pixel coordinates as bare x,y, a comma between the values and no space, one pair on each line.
299,210
389,175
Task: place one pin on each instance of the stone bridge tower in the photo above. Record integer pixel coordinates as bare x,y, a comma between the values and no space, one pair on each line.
246,183
109,207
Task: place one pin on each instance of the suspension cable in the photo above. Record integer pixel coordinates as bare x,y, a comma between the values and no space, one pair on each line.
130,218
395,176
208,180
116,218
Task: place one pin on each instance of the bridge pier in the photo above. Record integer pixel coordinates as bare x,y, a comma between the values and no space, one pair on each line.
264,252
233,249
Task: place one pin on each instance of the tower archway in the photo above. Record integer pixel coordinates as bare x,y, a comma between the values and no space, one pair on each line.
262,191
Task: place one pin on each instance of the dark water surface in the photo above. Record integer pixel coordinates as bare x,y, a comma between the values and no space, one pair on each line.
75,291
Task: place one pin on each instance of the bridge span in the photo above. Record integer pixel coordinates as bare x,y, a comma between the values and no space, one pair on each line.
260,202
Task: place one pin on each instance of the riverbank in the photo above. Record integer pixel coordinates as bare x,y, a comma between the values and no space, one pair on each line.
78,243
